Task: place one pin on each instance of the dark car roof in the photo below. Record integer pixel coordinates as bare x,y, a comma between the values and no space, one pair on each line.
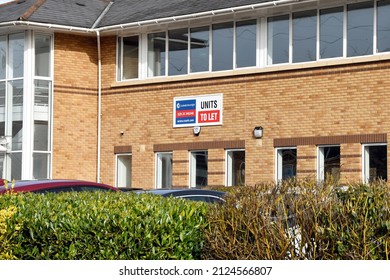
192,194
36,185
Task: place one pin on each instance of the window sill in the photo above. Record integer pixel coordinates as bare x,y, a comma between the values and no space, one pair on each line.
250,71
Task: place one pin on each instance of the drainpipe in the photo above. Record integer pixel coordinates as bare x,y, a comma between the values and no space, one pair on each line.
99,106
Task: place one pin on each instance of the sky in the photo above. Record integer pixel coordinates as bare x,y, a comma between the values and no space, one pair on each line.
4,1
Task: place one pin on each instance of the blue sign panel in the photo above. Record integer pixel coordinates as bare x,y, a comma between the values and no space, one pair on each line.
185,112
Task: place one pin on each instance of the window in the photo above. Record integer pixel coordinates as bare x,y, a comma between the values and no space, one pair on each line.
331,32
128,48
123,170
3,56
246,43
304,36
374,162
178,52
383,26
222,46
42,108
286,163
360,29
328,163
235,168
199,49
198,169
156,54
42,55
278,39
164,171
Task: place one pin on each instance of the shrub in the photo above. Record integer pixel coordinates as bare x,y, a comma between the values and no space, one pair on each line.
106,226
301,220
5,244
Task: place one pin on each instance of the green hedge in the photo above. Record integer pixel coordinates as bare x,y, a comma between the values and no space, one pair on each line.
88,226
301,220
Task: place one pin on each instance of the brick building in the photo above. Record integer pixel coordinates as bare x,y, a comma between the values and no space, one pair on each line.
176,93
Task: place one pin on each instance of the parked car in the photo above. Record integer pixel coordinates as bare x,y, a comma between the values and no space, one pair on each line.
210,196
45,186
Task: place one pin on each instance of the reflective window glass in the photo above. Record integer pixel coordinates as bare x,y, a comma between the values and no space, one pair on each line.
360,29
199,49
42,55
130,58
222,46
246,43
383,26
331,32
278,39
16,55
178,52
3,56
305,36
156,54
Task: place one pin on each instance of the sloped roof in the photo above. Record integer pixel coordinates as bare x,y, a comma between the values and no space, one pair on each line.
127,11
75,13
85,13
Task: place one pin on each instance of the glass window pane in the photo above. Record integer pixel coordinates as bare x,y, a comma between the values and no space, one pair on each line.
41,94
123,172
332,163
199,169
331,32
384,26
41,136
236,168
222,46
377,162
41,165
130,57
278,39
16,55
42,55
360,29
178,52
246,43
2,109
164,170
304,36
289,163
16,95
156,54
16,165
3,56
199,50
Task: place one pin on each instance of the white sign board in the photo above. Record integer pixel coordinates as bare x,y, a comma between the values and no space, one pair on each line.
199,110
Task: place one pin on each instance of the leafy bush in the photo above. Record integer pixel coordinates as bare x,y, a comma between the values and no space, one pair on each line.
5,244
104,226
301,220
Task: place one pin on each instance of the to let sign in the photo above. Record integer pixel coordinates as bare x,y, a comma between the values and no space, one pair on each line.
197,110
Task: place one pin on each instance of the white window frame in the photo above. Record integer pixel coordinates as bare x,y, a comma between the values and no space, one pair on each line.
158,169
229,167
321,161
117,170
119,58
366,160
279,162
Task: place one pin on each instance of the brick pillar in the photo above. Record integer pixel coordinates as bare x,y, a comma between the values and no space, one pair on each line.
180,169
216,167
351,162
306,162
